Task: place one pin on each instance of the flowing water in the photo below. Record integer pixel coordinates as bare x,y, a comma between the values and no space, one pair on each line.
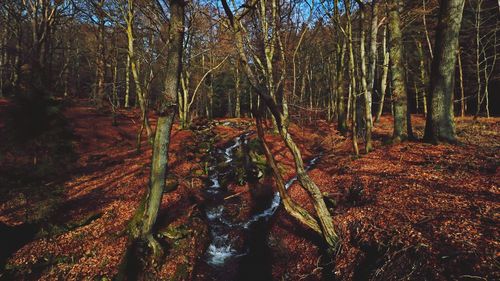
238,249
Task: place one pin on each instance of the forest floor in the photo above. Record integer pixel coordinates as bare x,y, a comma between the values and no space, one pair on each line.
411,211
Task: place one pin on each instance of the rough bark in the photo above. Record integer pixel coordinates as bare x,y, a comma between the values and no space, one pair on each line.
477,25
135,69
127,83
100,61
291,207
426,30
423,76
143,229
385,74
340,54
341,107
352,79
237,110
462,92
325,219
440,125
366,78
372,60
399,95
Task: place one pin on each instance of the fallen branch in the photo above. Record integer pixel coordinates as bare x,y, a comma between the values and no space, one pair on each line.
233,195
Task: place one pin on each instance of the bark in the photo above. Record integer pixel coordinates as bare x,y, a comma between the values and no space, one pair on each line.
237,111
183,97
367,74
461,77
486,94
440,125
399,95
291,207
100,62
16,65
352,79
269,42
113,100
135,69
142,227
489,62
332,97
477,25
426,30
372,60
385,74
127,82
423,76
325,219
373,46
340,53
66,68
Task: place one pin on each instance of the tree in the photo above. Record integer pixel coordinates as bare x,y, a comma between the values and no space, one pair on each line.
280,113
146,214
100,86
129,17
352,79
385,74
439,124
372,60
340,53
399,95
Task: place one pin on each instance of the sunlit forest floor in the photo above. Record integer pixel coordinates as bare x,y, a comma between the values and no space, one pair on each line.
404,211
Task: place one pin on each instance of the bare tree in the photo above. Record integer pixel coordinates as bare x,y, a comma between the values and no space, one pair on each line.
146,214
280,114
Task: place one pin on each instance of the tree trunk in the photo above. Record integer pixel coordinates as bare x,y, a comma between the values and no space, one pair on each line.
135,69
113,98
461,77
237,110
372,59
426,30
373,47
142,226
352,79
127,82
183,96
322,212
325,219
100,65
385,74
341,106
440,125
477,25
423,76
291,207
366,76
399,96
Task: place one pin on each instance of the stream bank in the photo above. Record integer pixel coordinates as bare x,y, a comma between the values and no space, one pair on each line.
240,202
407,211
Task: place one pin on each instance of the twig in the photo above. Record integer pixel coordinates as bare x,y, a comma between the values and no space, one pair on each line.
234,195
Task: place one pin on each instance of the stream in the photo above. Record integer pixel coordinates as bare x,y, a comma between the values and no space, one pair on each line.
238,247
